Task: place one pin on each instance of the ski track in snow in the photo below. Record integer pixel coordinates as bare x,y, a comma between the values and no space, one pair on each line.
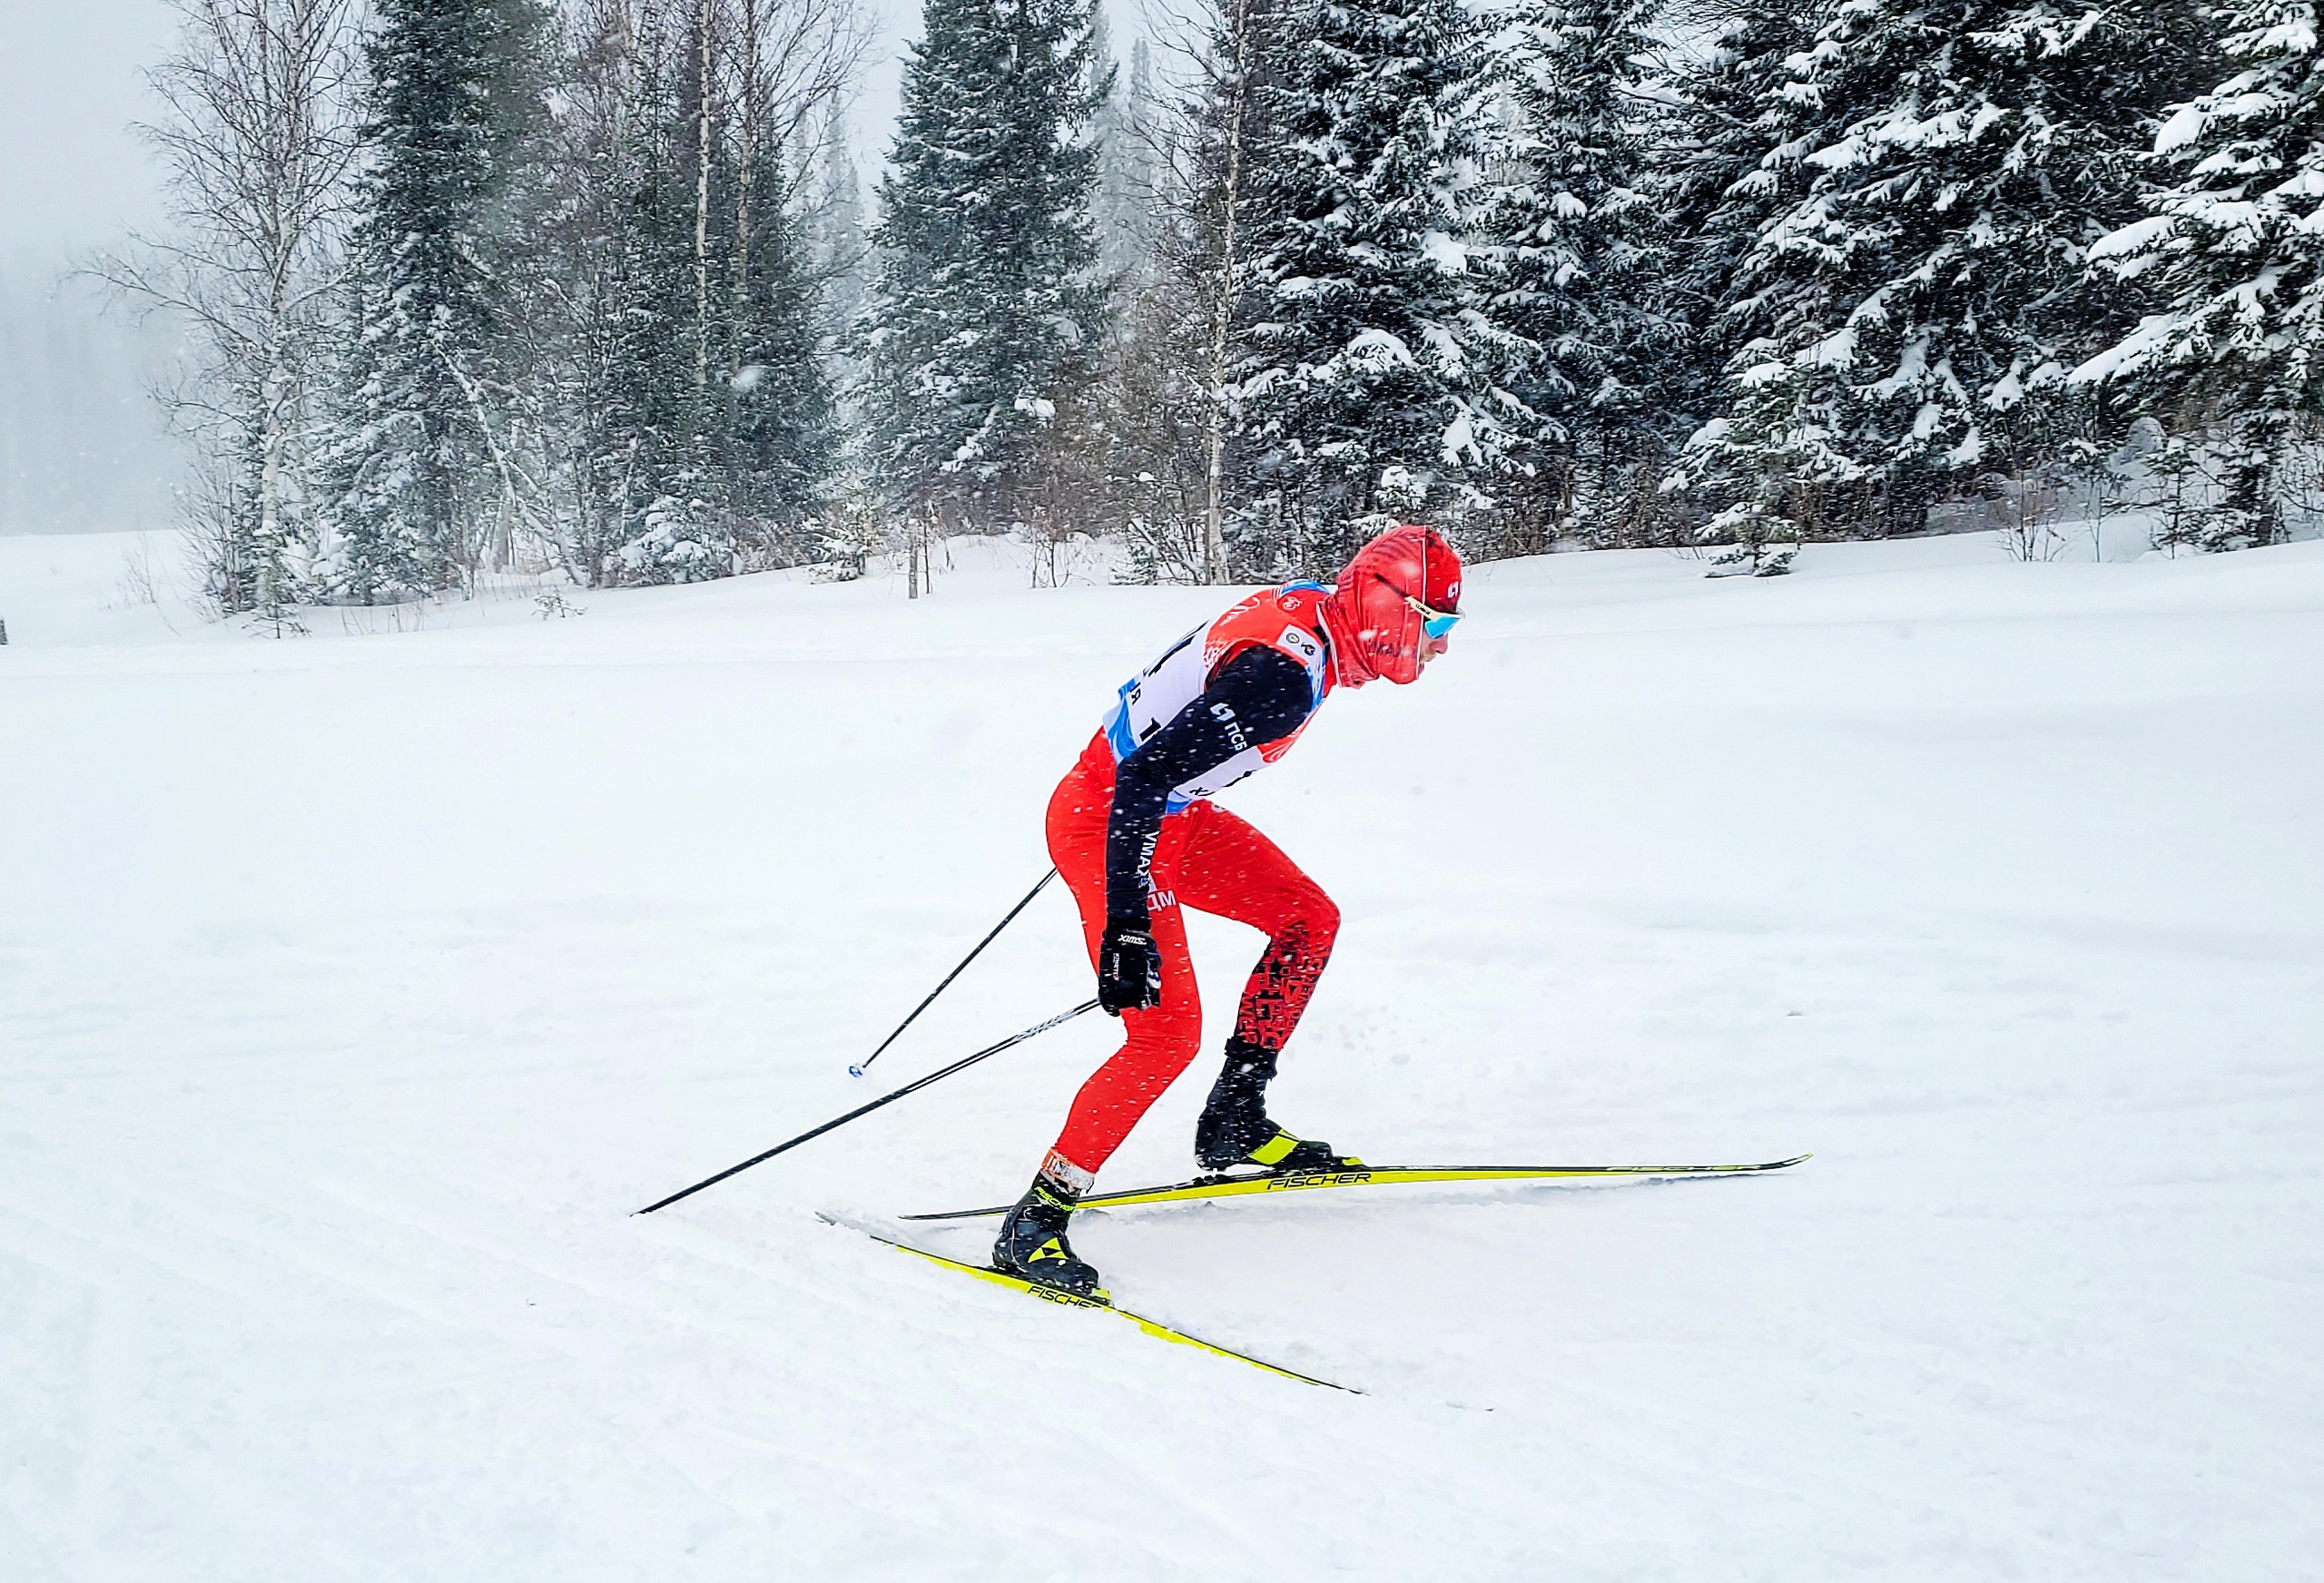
357,988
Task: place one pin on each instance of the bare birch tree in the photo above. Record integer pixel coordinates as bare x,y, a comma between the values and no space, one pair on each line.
704,118
258,127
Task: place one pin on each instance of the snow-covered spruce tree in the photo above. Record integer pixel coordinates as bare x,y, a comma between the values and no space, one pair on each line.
1729,169
1122,204
1586,254
987,304
765,403
1370,354
590,329
1912,315
838,246
671,530
615,383
2234,253
457,99
666,502
1108,430
775,426
687,382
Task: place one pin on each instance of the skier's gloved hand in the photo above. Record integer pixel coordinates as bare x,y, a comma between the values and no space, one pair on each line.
1130,969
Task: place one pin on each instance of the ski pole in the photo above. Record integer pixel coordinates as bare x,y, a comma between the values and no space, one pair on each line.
912,1087
857,1071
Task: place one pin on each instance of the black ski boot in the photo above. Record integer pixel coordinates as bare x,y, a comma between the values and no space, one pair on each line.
1032,1246
1235,1129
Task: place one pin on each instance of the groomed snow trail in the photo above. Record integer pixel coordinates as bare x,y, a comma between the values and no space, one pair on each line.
354,990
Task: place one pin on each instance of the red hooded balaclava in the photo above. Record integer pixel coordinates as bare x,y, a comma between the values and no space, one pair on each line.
1375,629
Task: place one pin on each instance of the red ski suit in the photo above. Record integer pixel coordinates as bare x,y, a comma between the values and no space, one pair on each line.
1204,858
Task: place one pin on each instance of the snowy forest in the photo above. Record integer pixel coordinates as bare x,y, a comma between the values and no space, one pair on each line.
603,287
1765,1027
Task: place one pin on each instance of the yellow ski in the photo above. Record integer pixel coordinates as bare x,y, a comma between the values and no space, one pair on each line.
1251,1184
1154,1328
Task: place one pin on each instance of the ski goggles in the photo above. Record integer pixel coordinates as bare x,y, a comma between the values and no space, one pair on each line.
1437,624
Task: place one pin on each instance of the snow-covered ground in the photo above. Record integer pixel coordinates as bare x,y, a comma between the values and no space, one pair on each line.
355,988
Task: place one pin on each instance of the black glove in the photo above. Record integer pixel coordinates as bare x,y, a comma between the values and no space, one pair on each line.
1130,969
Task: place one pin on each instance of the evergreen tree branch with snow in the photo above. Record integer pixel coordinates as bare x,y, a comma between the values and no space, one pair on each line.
1372,355
1912,316
682,303
456,108
988,303
2232,250
1582,249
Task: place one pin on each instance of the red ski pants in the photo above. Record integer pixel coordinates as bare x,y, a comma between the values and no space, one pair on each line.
1210,861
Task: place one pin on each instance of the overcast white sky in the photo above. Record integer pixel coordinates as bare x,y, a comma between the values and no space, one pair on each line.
70,81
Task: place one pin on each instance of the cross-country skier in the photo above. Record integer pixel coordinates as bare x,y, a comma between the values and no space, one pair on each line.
1132,832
